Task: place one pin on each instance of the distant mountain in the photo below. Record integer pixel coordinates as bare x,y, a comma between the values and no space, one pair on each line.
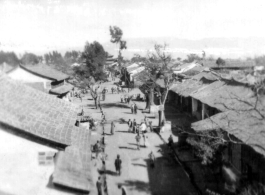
217,47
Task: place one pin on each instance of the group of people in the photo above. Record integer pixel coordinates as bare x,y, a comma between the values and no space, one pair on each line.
125,99
143,127
102,180
134,108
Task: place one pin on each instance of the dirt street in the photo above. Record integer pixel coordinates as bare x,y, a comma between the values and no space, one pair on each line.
137,176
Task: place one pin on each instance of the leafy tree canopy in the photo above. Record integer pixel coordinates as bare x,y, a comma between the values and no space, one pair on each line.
30,59
94,58
191,58
116,37
220,62
72,57
9,57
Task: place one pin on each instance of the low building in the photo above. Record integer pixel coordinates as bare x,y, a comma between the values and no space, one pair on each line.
41,146
40,77
227,102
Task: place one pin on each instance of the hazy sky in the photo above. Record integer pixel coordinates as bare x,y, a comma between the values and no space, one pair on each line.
51,24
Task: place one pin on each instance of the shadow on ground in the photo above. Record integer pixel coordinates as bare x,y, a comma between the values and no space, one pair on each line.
108,172
136,185
125,147
117,105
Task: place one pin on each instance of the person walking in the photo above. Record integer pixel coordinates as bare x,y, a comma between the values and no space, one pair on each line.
96,148
132,108
112,128
135,108
123,189
144,139
151,126
146,121
134,125
143,128
152,159
138,138
117,164
130,125
104,185
99,186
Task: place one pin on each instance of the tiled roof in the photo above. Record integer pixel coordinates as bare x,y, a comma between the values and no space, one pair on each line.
46,71
35,112
38,86
71,169
244,125
62,89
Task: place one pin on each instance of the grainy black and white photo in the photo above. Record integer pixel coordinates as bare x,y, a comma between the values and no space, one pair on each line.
132,97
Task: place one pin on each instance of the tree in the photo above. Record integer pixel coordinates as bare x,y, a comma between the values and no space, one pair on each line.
55,58
191,58
220,62
9,57
90,74
158,77
30,59
116,37
72,57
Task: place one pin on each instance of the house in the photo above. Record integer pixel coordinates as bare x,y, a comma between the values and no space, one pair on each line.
181,95
41,146
40,77
227,102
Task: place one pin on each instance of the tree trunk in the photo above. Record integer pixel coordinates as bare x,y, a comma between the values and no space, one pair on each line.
162,112
150,99
96,102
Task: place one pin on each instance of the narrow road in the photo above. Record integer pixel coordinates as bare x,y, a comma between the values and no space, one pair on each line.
166,178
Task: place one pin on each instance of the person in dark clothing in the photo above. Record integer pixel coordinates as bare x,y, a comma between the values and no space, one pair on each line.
123,189
152,159
132,108
130,125
134,125
170,141
135,108
118,165
151,126
138,138
99,186
112,128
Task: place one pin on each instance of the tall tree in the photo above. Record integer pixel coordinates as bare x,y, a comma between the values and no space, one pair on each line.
91,72
158,77
30,59
116,37
192,57
9,57
220,62
72,57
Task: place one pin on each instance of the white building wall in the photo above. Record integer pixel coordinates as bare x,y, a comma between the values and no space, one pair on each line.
24,76
20,171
